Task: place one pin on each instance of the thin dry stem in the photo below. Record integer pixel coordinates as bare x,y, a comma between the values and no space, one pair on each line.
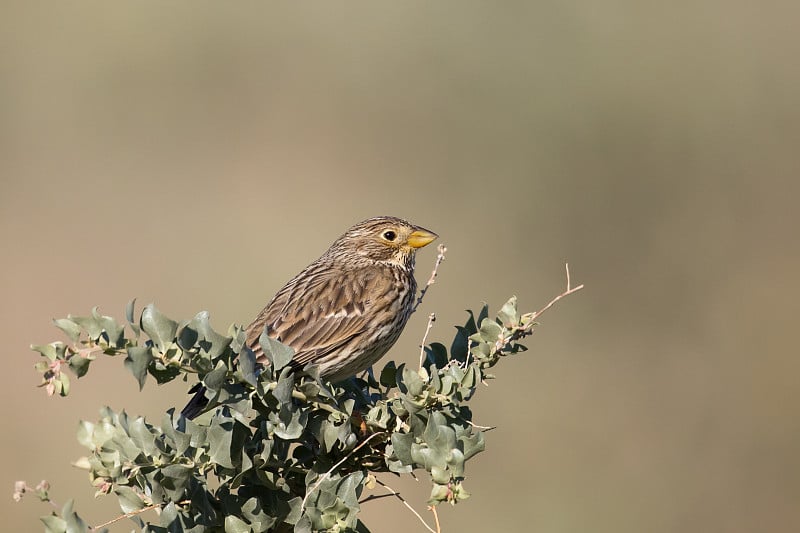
480,428
325,476
134,513
570,290
432,509
439,258
431,320
397,495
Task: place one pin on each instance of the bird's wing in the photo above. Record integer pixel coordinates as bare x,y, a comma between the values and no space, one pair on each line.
320,311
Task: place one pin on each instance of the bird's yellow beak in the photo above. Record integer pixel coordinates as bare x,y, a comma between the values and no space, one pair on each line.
420,238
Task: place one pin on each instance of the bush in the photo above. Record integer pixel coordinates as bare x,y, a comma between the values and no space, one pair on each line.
284,451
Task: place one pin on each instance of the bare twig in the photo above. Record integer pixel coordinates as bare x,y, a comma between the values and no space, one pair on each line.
570,290
397,495
439,258
134,513
528,321
327,474
432,509
431,320
480,428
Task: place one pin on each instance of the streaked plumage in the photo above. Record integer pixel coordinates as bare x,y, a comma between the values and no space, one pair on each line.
346,309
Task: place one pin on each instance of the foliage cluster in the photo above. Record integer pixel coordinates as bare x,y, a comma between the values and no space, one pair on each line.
276,451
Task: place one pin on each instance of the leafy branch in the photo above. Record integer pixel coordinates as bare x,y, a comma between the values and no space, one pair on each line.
286,451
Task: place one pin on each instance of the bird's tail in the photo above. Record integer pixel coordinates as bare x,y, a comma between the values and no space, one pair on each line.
197,403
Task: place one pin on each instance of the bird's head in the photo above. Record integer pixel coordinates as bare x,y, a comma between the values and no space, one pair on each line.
383,239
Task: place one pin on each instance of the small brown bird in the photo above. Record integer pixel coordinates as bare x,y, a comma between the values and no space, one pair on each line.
346,309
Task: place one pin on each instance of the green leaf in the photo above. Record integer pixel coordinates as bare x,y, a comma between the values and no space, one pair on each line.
303,525
378,416
69,327
89,324
137,361
292,422
178,439
236,525
283,389
129,500
158,327
439,474
401,444
438,452
490,331
54,524
349,489
169,519
129,311
79,365
247,365
113,331
258,519
211,343
482,350
295,510
472,445
52,351
216,378
85,431
63,384
74,523
439,493
329,435
459,492
277,353
468,381
220,436
175,479
141,435
508,315
410,381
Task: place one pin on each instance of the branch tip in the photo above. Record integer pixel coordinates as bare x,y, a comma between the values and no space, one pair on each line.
431,320
570,290
439,258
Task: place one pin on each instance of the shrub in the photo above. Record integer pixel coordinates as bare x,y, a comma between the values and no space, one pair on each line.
284,451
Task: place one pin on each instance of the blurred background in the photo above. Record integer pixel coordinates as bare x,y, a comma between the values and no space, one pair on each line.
197,155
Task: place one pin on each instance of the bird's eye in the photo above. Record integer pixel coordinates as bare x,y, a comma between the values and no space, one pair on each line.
389,235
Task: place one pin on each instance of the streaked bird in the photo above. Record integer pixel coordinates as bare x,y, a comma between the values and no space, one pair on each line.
346,309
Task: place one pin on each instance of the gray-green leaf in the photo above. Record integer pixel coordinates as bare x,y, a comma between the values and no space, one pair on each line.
158,327
137,361
277,353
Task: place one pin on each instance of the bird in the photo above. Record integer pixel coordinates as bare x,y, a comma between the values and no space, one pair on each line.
345,310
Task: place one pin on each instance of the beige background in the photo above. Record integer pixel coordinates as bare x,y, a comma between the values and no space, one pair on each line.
199,154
